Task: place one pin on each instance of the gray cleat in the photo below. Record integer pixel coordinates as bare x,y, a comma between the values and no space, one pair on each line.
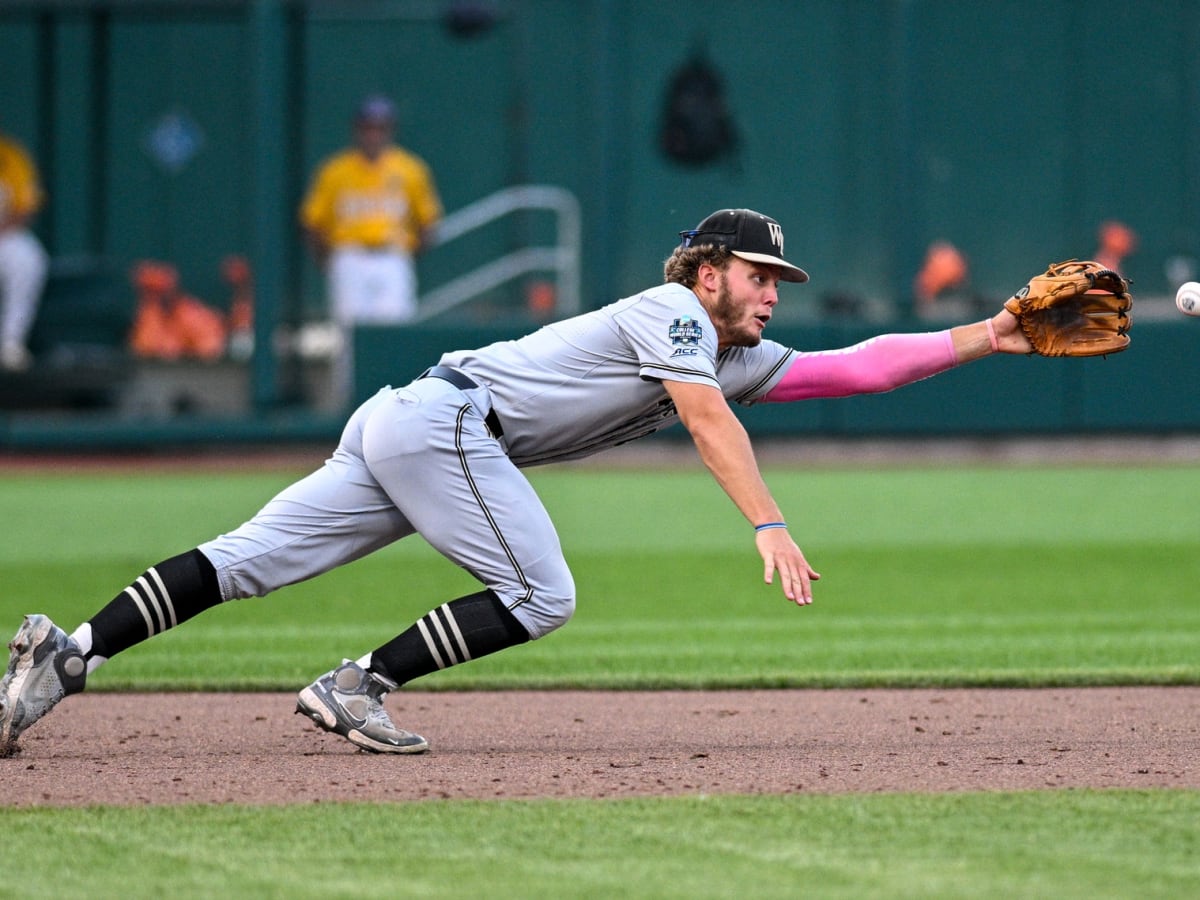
349,701
44,665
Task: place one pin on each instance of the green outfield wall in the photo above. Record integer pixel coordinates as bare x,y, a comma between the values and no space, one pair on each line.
187,129
868,127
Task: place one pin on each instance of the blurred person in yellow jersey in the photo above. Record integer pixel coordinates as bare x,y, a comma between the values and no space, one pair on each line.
23,260
370,210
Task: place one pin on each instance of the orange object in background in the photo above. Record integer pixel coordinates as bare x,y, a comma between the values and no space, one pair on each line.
541,298
944,269
170,324
1115,241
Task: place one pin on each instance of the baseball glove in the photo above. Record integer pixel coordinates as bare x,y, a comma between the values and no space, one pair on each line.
1076,308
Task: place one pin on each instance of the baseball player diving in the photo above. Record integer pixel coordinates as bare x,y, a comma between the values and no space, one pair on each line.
442,457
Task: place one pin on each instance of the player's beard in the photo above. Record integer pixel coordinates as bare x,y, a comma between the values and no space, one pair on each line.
733,327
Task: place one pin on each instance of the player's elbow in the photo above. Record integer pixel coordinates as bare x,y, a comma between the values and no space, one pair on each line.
877,383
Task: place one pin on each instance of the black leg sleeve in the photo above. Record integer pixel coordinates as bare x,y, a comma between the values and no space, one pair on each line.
458,631
162,597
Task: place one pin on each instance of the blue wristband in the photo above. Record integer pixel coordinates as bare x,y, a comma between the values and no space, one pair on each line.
768,525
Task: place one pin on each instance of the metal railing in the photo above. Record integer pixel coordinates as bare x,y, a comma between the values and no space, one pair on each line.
562,259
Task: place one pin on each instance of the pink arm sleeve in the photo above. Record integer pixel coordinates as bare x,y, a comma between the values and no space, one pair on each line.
879,364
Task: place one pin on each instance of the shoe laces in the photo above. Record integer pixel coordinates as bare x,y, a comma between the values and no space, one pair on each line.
376,691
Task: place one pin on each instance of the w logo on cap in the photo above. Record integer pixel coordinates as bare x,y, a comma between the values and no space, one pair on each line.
776,232
747,234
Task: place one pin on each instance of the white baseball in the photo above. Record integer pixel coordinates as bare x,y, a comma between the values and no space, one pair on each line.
1187,298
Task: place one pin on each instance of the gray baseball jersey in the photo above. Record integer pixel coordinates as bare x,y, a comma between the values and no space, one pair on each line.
421,458
591,382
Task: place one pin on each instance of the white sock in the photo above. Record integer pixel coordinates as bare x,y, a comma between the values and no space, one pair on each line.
83,638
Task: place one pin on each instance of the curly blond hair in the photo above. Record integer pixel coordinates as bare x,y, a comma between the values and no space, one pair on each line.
682,265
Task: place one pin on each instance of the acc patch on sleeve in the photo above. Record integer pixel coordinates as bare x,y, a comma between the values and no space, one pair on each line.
685,333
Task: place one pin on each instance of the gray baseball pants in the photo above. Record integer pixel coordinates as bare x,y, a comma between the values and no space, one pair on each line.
416,459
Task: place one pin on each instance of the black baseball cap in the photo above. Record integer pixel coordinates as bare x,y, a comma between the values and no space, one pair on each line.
749,235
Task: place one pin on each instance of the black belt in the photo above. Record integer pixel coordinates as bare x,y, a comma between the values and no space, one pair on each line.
464,382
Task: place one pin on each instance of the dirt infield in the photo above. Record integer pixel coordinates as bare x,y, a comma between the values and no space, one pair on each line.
132,749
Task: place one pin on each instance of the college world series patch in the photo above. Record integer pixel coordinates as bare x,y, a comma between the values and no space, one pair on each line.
685,333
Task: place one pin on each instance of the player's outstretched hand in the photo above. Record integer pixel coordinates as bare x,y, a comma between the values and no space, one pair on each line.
780,554
1010,338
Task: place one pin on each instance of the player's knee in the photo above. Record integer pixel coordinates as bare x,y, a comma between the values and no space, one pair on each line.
541,615
546,606
544,599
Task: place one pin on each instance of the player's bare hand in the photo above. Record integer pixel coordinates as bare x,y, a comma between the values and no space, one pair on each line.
780,554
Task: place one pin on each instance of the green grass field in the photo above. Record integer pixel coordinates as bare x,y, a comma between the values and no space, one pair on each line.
953,576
